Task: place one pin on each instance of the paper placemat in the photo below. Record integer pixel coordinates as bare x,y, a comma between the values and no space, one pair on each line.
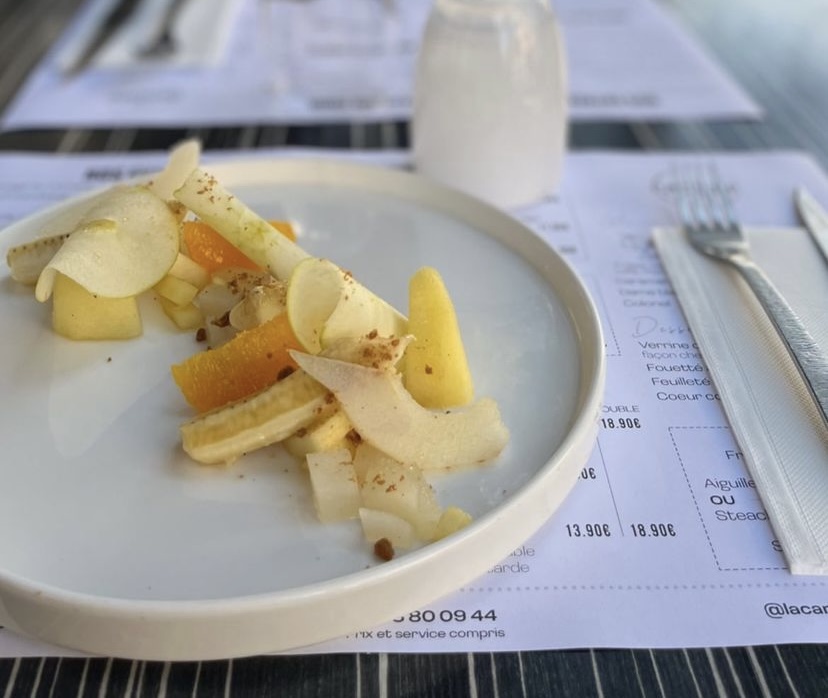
201,31
286,61
664,541
780,432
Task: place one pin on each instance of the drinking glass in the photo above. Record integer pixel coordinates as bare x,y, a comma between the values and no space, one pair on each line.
490,99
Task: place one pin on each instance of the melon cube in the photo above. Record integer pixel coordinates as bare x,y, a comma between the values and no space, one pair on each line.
79,314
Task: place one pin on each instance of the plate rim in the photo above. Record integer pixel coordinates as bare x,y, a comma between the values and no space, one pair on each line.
266,622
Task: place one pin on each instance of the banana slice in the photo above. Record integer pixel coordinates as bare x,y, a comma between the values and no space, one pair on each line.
28,260
277,412
265,418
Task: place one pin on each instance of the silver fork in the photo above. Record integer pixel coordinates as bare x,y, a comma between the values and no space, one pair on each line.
711,227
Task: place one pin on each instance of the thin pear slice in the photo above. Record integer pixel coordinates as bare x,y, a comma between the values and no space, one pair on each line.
398,489
202,193
334,485
183,159
125,244
386,416
326,304
313,291
382,353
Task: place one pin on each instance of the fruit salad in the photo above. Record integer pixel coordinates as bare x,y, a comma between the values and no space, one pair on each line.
295,351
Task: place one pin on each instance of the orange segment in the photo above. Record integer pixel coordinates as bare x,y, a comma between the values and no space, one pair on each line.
252,360
213,252
285,228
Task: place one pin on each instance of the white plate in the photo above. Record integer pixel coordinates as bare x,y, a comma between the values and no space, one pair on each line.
114,543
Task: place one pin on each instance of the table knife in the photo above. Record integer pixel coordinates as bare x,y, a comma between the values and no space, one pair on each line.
815,219
116,17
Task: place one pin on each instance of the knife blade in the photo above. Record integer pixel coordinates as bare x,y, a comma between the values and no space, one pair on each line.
815,219
117,16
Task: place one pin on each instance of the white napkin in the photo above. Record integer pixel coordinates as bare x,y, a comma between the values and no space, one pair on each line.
780,432
201,29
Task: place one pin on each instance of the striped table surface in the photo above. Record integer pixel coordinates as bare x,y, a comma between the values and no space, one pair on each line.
775,51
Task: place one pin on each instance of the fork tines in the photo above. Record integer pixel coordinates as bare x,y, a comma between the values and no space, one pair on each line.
703,199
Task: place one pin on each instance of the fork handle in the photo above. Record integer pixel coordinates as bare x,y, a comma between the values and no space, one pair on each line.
811,361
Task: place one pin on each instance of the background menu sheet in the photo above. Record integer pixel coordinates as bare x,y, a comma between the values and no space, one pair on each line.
281,61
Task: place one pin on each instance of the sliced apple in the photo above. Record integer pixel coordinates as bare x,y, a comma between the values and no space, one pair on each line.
124,245
386,416
314,289
202,193
28,260
325,304
436,371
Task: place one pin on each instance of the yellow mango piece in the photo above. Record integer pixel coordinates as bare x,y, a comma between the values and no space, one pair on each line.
79,314
452,520
435,371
